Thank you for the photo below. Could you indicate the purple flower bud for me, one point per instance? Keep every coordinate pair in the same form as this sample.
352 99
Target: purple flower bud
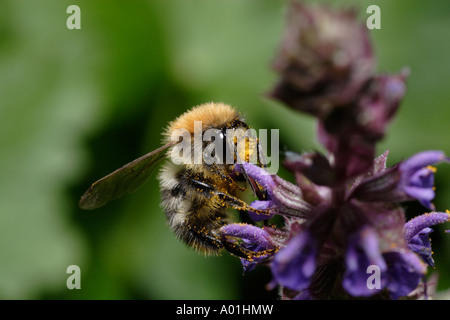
380 187
372 110
324 60
314 166
350 133
353 154
378 105
313 175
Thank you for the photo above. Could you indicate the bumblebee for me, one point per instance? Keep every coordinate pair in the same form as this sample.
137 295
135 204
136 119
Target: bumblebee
196 196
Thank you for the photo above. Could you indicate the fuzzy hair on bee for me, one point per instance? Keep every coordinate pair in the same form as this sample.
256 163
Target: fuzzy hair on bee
196 197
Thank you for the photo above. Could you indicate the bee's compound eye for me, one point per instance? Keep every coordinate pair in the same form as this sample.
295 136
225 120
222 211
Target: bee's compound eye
214 146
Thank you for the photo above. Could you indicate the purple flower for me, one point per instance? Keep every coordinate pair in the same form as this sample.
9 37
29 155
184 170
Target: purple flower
405 270
251 238
283 197
294 265
321 238
412 179
421 245
417 176
417 231
362 252
324 59
344 213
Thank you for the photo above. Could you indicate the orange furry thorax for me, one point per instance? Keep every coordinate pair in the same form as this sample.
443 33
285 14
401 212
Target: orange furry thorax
212 115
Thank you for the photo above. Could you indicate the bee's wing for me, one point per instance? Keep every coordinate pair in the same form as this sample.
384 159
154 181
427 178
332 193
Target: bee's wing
122 181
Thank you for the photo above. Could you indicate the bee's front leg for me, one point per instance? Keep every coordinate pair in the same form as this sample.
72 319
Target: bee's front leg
238 204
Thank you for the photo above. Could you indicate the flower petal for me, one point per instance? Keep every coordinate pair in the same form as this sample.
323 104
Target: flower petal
423 159
248 232
284 198
405 270
423 178
417 177
416 225
261 205
294 265
362 252
423 195
253 238
421 245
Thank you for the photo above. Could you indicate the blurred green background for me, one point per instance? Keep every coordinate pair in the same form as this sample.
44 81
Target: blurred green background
77 104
